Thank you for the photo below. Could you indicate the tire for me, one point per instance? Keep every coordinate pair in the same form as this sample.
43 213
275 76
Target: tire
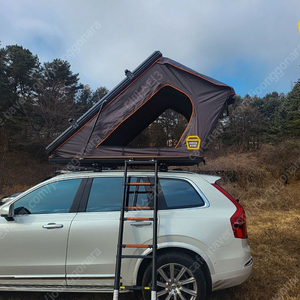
182 264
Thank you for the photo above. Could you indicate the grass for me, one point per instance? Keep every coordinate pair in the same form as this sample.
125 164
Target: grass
275 246
273 218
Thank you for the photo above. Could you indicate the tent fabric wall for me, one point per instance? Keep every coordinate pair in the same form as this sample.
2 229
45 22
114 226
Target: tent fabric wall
165 84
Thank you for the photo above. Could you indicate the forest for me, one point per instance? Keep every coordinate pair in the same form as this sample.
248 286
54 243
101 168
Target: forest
37 100
255 148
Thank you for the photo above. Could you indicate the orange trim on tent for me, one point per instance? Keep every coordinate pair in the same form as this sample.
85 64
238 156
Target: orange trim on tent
106 106
230 93
77 131
144 104
187 126
130 84
163 63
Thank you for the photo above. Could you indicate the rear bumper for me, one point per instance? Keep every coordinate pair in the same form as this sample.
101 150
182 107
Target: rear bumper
228 279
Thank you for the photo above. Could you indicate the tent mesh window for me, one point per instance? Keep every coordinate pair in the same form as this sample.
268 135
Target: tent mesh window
152 112
165 131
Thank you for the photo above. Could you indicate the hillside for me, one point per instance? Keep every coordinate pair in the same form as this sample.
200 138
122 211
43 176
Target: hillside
267 183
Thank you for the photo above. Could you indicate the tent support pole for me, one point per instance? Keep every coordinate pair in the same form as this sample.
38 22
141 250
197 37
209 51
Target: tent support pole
91 133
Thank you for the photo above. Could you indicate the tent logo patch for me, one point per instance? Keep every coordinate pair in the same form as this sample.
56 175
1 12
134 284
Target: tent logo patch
193 142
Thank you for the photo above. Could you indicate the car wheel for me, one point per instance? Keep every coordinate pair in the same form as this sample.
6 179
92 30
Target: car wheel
176 278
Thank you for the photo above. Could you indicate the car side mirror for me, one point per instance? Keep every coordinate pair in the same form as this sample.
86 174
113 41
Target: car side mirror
7 212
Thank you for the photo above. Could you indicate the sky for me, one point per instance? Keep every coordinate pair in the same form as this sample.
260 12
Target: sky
251 45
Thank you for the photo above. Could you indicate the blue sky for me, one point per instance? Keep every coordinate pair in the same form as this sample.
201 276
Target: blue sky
237 42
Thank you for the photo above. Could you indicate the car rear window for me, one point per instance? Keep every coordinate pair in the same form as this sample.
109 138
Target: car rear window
177 193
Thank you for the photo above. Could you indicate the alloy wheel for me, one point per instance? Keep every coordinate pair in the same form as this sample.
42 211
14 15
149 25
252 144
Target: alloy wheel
175 281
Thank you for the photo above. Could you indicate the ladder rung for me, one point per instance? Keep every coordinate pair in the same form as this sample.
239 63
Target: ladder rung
138 207
139 184
138 219
136 246
122 287
137 256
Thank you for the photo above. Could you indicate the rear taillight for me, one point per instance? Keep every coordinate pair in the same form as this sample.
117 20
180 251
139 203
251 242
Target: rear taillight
238 219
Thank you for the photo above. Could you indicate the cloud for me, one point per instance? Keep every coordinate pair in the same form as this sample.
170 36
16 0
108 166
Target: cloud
239 42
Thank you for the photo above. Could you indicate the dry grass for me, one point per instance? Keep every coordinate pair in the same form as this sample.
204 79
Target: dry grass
19 171
273 212
18 188
241 171
275 245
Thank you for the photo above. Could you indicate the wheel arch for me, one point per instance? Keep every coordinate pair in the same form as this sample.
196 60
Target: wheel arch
199 262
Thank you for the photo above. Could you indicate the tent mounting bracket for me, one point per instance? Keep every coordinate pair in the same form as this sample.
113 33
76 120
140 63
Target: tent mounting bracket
129 74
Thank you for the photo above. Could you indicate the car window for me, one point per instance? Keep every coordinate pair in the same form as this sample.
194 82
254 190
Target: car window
177 193
106 194
55 197
140 194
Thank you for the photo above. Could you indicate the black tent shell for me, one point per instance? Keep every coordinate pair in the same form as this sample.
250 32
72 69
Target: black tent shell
103 133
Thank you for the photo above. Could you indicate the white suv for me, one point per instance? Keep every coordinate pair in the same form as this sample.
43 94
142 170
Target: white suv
61 235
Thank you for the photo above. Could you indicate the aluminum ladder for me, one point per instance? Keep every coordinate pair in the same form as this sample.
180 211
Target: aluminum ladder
125 208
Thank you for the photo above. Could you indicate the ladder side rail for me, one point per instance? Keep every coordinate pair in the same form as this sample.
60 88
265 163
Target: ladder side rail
154 251
124 208
120 237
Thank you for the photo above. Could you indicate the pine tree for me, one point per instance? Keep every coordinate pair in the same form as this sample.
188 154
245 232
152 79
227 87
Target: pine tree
292 110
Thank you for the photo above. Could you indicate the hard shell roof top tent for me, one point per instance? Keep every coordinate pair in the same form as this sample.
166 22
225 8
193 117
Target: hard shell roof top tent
103 133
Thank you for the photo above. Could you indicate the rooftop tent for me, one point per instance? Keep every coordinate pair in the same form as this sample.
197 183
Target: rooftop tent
103 133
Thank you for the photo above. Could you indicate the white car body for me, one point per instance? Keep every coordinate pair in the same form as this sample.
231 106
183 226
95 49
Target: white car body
79 252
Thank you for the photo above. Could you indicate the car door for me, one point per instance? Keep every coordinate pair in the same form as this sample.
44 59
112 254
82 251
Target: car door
34 244
93 236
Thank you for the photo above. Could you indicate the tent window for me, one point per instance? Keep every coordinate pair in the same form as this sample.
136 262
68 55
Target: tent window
160 122
165 131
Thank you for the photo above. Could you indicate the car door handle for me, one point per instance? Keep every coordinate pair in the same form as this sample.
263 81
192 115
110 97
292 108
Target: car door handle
140 224
53 225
